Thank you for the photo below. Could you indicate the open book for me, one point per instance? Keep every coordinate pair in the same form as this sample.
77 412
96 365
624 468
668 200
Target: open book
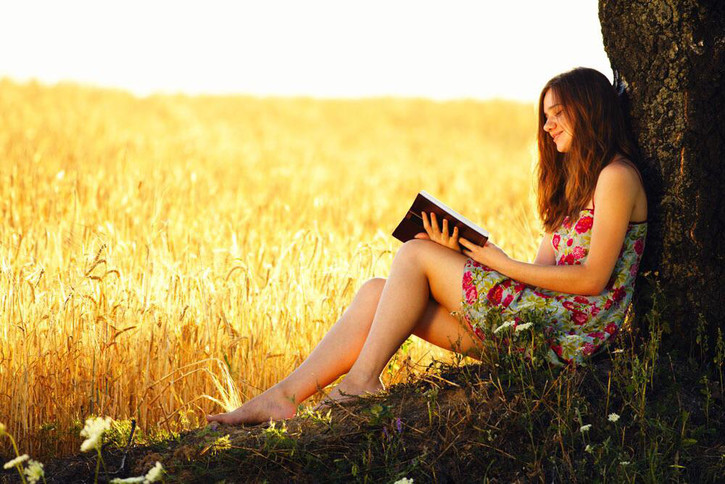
412 223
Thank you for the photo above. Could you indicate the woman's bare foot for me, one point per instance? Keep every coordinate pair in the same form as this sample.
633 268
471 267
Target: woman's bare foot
348 389
271 404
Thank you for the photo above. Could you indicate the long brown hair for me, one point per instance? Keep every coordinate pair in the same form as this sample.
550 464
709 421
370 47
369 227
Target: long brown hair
567 180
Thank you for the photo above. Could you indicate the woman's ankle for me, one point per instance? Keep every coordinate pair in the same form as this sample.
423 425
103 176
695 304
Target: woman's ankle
281 393
361 382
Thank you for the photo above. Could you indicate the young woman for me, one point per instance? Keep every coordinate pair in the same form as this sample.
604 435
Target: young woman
593 207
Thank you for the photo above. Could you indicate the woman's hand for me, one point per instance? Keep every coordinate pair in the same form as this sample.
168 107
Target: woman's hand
488 254
437 234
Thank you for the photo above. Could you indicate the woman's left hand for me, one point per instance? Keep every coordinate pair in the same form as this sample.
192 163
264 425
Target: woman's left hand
439 235
488 254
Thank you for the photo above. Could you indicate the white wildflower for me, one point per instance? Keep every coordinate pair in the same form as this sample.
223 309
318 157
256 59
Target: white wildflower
524 326
404 480
624 463
93 431
613 417
585 428
505 325
155 473
16 461
34 471
588 448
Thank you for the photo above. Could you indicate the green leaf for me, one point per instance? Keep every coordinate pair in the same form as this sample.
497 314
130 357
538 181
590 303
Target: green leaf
688 442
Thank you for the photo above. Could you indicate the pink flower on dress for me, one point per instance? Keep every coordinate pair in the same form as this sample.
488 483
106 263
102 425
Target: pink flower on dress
467 280
557 349
555 241
611 328
507 301
471 294
520 286
568 305
581 300
588 349
569 242
618 294
608 304
584 224
578 252
633 270
494 294
639 246
594 310
596 334
569 259
579 317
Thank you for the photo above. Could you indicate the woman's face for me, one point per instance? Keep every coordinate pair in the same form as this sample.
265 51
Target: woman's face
557 126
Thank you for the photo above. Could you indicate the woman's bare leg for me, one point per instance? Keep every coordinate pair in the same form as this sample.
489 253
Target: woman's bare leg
331 358
421 270
341 346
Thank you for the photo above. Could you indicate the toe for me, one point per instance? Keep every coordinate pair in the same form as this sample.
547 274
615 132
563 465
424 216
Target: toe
218 418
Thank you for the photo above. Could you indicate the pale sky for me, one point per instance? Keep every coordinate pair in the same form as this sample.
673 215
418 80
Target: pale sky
442 49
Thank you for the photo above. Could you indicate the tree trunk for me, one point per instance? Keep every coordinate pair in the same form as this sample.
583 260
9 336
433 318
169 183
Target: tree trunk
668 58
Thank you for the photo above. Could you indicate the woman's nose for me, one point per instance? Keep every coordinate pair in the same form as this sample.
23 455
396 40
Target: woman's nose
548 126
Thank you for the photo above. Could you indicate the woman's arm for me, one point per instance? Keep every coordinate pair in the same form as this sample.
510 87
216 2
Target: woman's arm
616 192
545 256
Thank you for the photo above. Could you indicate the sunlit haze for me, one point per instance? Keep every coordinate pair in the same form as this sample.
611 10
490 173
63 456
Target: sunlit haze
440 50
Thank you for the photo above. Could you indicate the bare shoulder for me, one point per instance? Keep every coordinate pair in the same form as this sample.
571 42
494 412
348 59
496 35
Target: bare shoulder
620 179
622 169
620 174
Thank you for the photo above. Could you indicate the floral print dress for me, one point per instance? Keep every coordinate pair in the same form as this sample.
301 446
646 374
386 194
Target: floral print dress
578 325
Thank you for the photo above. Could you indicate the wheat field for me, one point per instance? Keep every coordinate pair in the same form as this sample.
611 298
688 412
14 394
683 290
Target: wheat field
159 253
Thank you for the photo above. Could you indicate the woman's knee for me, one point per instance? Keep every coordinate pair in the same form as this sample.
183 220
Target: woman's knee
414 249
372 288
420 253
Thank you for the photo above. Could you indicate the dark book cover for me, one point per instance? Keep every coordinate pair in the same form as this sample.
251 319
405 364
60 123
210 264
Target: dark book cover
412 223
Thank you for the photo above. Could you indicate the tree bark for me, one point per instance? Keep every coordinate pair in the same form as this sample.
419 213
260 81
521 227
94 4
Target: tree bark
668 57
